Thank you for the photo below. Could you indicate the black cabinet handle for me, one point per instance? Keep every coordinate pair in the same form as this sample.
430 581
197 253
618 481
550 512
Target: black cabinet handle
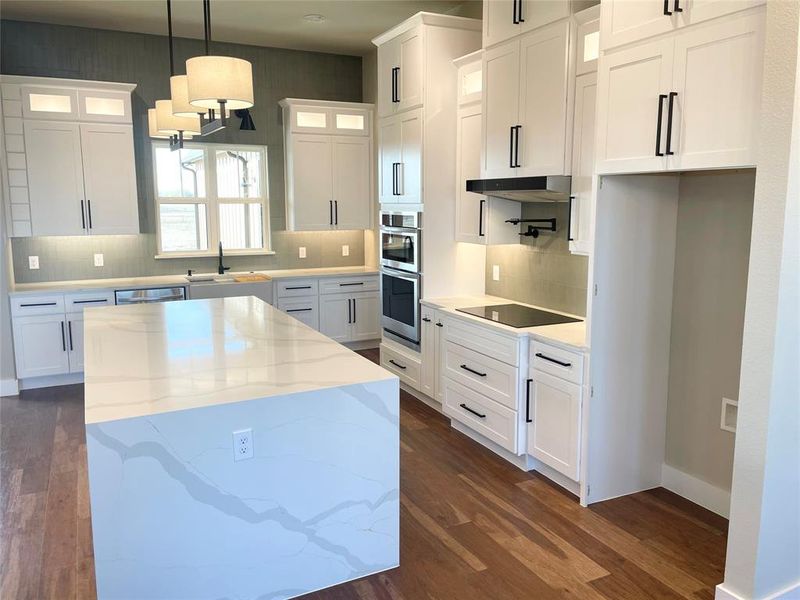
299 287
480 218
439 324
553 360
395 84
426 319
398 365
514 18
69 326
90 301
38 304
667 12
89 210
511 131
473 371
678 6
528 401
349 312
288 310
83 217
672 96
330 212
63 338
516 146
353 283
335 212
520 18
355 317
474 412
396 179
661 98
569 220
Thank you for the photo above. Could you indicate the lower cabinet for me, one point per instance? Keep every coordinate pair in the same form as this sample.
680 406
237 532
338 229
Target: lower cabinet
431 350
303 308
406 365
40 345
75 342
350 317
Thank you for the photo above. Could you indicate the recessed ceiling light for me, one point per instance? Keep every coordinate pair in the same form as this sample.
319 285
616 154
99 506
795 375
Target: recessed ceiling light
314 18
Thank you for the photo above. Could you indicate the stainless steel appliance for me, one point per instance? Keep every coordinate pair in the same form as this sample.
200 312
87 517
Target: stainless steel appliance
400 293
517 315
150 295
400 240
524 189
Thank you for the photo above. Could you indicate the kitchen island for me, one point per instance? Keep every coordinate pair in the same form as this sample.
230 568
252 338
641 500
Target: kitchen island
178 397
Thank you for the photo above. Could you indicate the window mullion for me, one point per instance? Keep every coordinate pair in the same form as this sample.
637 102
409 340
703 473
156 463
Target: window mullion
212 206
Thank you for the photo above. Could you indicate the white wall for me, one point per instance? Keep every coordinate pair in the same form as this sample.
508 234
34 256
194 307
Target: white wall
763 559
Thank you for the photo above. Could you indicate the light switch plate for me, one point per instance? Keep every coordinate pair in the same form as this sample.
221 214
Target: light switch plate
495 272
98 260
33 262
301 252
345 250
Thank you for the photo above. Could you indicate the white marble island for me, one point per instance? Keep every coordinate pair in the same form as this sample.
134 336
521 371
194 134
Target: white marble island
174 515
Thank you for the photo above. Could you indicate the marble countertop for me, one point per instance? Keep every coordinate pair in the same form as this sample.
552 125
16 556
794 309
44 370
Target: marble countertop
166 280
570 335
148 359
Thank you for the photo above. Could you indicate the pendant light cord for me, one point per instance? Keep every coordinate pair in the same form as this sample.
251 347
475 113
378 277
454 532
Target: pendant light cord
169 26
207 22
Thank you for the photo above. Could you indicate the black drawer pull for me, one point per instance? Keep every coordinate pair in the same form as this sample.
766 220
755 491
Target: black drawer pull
38 304
439 324
661 98
69 326
288 310
473 371
356 283
90 301
553 360
528 401
426 319
63 338
669 121
474 412
667 11
398 365
299 287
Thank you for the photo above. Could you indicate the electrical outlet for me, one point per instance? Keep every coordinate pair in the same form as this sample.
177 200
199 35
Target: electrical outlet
345 250
242 444
495 272
98 260
33 262
301 252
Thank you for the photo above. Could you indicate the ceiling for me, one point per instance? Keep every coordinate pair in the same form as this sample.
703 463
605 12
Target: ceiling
347 29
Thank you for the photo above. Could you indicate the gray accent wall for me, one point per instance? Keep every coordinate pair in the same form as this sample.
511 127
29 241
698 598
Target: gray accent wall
715 213
541 271
78 53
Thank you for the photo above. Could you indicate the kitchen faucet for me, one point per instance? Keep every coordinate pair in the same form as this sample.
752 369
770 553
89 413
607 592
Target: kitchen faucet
221 268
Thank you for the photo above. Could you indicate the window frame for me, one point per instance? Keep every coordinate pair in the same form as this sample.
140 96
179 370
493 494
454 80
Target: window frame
212 200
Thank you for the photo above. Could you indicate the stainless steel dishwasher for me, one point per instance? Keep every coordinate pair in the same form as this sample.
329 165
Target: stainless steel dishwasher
150 295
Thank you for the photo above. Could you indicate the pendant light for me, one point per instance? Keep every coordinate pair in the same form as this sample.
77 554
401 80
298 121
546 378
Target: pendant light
217 83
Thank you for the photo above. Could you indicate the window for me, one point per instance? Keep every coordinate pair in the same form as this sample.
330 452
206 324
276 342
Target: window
211 193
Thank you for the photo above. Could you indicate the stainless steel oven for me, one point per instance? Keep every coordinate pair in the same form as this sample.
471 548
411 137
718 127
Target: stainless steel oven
400 241
400 313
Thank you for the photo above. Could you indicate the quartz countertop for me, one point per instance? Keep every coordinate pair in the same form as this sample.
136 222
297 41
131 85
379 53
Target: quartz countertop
570 335
147 359
166 280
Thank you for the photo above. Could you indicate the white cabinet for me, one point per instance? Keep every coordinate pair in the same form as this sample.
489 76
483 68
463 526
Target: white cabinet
503 19
303 308
40 345
431 353
75 341
401 158
350 317
525 100
366 317
328 165
580 220
688 101
401 72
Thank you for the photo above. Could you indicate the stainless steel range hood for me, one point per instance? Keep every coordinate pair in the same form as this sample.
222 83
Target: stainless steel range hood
524 189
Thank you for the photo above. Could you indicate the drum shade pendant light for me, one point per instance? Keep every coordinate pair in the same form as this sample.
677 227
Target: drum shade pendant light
217 84
152 127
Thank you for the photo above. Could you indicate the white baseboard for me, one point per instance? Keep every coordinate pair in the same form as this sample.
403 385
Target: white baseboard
790 593
9 387
700 492
33 383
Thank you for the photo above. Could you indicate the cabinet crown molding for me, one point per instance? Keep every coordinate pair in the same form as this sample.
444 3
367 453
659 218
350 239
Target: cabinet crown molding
426 18
286 102
58 82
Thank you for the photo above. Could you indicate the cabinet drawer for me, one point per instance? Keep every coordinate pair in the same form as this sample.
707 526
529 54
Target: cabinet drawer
489 342
37 305
304 309
483 374
336 285
287 288
77 301
406 368
561 363
487 417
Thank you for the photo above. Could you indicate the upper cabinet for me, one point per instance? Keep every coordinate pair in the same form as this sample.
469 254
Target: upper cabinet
328 164
625 21
684 101
70 161
400 159
526 104
504 19
400 73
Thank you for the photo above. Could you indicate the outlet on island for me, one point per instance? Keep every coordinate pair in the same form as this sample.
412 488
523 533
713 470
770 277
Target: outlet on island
242 444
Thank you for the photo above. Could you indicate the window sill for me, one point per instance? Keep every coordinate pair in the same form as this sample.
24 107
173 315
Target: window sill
227 254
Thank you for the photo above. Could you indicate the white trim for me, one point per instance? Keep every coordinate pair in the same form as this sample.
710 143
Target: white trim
60 82
214 254
32 383
9 387
700 492
793 591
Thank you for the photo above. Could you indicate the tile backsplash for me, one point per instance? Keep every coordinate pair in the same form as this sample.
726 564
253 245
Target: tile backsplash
541 271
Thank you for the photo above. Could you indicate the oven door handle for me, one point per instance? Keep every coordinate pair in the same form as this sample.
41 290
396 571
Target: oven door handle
412 277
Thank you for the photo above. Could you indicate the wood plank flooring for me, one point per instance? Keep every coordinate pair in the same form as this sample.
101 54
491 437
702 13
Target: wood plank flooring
472 525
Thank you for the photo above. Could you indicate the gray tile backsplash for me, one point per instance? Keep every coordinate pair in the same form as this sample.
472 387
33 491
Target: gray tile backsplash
541 271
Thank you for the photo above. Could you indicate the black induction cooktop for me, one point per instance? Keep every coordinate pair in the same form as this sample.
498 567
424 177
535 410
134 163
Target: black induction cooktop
517 315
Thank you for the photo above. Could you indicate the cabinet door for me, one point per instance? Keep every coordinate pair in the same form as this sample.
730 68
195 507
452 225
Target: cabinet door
553 437
55 178
429 352
499 21
580 233
500 109
696 11
311 183
625 21
410 169
439 339
366 313
630 83
389 158
40 345
717 77
535 13
75 342
336 317
410 76
470 207
388 61
109 175
304 309
352 182
544 58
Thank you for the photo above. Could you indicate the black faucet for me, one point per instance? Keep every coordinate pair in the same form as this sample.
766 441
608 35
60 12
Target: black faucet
221 268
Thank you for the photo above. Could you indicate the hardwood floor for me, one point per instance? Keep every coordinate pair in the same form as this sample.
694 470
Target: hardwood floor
472 525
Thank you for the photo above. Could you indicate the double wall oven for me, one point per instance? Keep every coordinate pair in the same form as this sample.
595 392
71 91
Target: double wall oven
401 275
